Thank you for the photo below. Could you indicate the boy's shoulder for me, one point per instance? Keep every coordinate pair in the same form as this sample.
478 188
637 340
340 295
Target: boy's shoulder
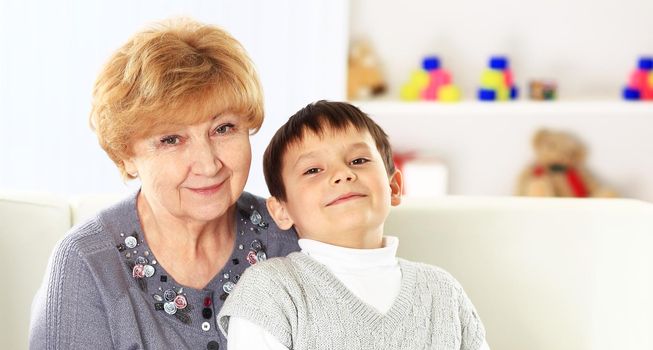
273 270
430 274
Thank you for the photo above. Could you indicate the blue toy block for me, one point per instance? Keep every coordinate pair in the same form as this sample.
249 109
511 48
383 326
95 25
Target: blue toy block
487 95
498 62
514 92
431 63
631 94
645 63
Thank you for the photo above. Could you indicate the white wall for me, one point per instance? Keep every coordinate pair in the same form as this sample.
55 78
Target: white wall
51 51
588 46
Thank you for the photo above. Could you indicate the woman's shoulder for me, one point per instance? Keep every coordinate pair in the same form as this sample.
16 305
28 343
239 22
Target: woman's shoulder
99 233
252 209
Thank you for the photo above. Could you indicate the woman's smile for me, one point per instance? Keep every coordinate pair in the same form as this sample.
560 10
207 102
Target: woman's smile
207 190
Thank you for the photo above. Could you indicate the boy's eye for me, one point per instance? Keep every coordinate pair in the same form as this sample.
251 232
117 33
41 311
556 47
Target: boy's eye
312 171
224 128
171 140
359 161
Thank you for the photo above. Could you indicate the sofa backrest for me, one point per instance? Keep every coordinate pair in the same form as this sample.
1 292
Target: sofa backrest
543 273
30 225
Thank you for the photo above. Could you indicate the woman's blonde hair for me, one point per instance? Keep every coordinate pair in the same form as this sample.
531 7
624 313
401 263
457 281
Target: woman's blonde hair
177 72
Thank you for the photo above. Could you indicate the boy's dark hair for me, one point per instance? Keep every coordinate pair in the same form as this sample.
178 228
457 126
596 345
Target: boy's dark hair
317 117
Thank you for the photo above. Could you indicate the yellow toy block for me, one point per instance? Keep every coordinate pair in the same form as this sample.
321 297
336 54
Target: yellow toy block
449 93
420 78
493 79
503 93
410 92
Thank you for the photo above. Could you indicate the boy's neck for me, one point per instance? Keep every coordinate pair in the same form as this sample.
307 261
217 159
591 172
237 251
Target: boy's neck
355 241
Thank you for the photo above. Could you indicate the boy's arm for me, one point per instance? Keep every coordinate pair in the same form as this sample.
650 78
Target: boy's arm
245 335
260 299
473 337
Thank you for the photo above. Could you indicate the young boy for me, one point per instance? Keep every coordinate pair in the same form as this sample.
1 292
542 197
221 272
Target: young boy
330 172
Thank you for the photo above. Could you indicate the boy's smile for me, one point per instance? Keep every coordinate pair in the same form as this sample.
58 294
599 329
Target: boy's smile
346 197
337 188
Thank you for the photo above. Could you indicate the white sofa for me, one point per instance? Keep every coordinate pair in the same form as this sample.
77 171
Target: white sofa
543 273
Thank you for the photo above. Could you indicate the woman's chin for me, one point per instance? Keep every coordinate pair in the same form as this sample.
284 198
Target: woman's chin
209 211
206 208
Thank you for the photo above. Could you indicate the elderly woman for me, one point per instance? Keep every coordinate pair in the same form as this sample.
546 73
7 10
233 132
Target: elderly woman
174 107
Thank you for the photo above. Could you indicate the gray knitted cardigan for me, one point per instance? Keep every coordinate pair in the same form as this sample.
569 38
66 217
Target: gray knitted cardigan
94 296
305 306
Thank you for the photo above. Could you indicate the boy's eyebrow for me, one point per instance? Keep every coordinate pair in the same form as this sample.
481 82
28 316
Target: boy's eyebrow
360 145
312 154
304 156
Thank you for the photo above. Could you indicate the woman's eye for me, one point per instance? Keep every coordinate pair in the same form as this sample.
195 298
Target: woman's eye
312 171
171 140
224 128
359 161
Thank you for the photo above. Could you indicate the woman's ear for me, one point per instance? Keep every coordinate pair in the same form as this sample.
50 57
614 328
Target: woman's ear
277 210
396 188
130 167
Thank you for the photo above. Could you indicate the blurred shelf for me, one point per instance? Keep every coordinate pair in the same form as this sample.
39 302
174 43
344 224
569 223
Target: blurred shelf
486 144
387 108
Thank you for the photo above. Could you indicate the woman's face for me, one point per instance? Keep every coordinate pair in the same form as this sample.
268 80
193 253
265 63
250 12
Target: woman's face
194 172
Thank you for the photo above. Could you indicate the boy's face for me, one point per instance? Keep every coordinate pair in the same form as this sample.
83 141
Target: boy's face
337 189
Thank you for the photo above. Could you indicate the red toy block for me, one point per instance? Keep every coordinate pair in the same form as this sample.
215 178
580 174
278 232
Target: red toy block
440 77
507 74
638 79
430 93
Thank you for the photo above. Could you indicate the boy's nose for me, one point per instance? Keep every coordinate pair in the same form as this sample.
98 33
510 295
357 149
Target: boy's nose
345 175
348 178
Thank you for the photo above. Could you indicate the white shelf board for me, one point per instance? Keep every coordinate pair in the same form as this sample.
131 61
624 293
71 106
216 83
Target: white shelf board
387 108
487 144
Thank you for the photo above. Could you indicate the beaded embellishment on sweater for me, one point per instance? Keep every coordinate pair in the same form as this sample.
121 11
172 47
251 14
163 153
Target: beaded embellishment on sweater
172 299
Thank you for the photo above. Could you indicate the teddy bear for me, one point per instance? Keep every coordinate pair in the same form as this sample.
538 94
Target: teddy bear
364 78
558 170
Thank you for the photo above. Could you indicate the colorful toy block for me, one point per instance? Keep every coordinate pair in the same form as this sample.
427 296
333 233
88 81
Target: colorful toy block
497 82
430 83
640 82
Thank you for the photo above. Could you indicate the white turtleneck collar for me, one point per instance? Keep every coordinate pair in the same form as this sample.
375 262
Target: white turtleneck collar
337 258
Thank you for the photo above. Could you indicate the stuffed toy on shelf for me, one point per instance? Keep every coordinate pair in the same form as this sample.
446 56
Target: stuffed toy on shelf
558 170
364 77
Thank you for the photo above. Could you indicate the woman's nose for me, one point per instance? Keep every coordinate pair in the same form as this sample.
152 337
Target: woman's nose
205 160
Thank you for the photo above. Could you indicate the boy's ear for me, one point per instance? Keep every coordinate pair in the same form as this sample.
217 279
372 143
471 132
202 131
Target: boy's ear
396 188
277 210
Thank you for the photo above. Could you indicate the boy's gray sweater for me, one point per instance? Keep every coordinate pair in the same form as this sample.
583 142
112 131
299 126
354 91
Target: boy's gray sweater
306 307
